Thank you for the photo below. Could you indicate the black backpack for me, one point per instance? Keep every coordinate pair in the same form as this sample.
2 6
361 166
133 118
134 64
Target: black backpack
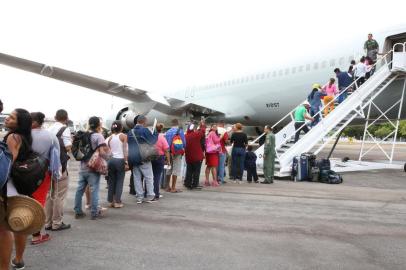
82 146
330 177
29 174
63 154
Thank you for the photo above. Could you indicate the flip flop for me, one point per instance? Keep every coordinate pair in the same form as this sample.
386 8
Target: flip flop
176 191
42 239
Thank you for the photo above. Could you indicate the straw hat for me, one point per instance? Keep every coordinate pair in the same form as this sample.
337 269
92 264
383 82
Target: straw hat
24 215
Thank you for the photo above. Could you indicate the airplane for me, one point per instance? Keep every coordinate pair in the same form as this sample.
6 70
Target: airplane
252 99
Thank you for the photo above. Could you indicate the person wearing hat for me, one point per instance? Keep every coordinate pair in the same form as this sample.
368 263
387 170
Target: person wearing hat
301 113
269 155
314 99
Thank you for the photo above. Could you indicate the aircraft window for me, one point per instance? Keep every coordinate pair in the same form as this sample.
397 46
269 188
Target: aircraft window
307 67
341 61
281 72
300 69
274 74
268 75
263 76
293 70
332 62
257 77
286 71
323 64
316 65
247 78
237 81
252 77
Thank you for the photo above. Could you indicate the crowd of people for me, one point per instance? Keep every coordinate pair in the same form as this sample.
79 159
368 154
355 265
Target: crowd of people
156 160
322 99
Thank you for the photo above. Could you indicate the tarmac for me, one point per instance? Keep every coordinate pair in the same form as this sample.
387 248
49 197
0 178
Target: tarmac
360 224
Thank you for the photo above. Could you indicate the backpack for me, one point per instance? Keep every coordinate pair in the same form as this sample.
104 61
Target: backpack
82 146
6 159
29 174
330 177
64 157
177 147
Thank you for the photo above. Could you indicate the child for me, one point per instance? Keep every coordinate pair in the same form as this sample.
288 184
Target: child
250 165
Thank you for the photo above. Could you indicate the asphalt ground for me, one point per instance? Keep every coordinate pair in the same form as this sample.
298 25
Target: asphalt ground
360 224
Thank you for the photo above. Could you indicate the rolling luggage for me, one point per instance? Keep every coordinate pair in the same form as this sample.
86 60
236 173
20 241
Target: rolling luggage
303 169
323 164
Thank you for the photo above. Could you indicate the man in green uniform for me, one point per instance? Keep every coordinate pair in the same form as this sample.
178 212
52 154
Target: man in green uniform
269 156
371 47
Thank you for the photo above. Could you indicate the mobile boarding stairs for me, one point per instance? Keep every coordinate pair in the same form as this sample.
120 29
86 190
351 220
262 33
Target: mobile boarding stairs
388 68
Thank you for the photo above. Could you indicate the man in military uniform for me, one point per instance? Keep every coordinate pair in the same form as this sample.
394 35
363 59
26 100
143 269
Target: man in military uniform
371 47
269 156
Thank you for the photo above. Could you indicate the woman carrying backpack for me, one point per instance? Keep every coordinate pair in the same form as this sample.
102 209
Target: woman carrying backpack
116 166
87 176
19 141
213 148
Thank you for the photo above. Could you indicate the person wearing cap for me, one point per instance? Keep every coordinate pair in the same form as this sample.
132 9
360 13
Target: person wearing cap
314 99
269 155
371 47
141 168
301 113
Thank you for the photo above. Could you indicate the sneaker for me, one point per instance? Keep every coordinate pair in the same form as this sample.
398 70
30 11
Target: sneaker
79 215
48 228
139 201
152 201
118 205
17 265
61 227
160 195
235 181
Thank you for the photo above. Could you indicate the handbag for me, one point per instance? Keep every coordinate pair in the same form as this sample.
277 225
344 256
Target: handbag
147 151
97 163
211 147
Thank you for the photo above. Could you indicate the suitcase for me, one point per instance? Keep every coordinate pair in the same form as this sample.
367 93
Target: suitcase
303 168
315 174
323 164
311 163
294 167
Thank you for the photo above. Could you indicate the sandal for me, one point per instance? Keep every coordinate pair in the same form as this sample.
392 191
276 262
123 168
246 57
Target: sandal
43 238
176 191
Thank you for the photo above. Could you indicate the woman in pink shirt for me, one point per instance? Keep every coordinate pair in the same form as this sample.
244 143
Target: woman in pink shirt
158 165
331 90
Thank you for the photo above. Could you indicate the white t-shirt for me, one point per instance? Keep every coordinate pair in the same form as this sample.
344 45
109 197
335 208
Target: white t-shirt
67 140
360 70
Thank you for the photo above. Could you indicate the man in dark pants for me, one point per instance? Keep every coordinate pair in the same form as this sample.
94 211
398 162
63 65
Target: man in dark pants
250 165
194 154
301 114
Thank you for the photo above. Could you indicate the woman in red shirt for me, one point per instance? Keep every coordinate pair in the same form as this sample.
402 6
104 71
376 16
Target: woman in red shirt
213 148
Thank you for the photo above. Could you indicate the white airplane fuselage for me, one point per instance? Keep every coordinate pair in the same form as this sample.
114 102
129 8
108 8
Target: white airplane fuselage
267 96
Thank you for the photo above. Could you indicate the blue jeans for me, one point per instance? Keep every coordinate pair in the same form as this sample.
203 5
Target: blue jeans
221 168
116 179
93 180
144 170
238 159
157 169
343 96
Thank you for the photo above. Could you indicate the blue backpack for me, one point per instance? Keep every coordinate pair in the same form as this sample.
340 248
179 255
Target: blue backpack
5 164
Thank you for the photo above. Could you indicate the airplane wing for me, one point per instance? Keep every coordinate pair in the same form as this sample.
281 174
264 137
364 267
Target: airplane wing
104 86
147 99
